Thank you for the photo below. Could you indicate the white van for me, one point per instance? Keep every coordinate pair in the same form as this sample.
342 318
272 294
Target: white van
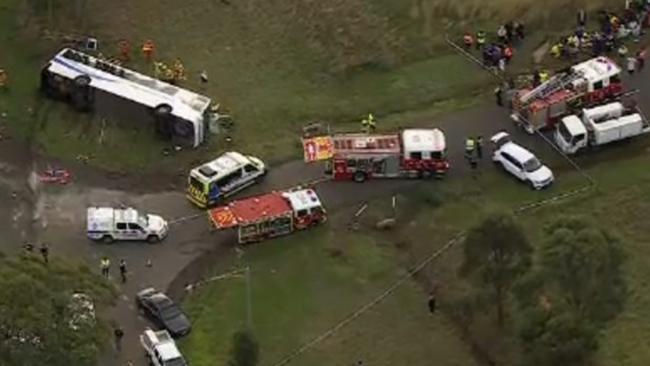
109 224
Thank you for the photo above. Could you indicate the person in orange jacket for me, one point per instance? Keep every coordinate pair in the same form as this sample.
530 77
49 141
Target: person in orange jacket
148 49
468 40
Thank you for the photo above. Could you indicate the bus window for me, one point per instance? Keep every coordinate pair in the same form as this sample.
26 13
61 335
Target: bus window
250 168
230 178
416 155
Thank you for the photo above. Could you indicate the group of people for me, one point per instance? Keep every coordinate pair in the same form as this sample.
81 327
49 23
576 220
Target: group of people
497 53
611 35
105 266
44 249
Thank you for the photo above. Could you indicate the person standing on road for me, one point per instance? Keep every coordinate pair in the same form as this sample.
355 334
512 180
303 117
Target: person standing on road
469 147
29 247
498 94
479 147
431 303
123 270
45 252
631 65
119 333
105 265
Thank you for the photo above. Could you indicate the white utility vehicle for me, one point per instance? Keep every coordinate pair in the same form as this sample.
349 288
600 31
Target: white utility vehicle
161 349
599 126
520 162
109 224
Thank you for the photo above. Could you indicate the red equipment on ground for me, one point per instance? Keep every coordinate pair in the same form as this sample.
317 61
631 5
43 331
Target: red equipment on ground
269 215
591 82
413 153
59 176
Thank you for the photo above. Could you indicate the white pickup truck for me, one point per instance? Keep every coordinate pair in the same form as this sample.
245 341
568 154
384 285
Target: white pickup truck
599 126
161 349
108 224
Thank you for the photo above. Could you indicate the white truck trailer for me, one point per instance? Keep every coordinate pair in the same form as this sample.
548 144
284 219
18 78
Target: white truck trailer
599 126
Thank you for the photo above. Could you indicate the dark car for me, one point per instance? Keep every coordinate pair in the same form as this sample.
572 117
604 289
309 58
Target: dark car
162 311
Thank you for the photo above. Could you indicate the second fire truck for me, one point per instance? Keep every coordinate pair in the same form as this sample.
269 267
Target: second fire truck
588 83
411 153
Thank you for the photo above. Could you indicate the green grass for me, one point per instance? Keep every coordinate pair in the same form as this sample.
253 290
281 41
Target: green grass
300 290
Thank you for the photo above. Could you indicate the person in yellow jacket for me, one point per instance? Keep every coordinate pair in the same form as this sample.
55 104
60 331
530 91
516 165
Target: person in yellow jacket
556 50
369 124
179 70
544 76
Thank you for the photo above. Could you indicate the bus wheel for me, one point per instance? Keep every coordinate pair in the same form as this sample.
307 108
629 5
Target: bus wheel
359 177
162 110
425 174
107 239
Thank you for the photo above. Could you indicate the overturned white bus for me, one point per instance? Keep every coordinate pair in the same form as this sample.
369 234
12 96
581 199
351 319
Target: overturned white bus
127 96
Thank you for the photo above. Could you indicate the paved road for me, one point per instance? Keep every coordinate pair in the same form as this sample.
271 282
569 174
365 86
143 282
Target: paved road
192 247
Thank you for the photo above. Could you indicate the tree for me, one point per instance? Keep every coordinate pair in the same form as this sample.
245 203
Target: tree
245 351
581 266
496 254
37 323
576 287
556 337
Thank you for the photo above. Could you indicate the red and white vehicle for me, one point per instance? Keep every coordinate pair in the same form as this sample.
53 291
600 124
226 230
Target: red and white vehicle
269 215
584 84
412 153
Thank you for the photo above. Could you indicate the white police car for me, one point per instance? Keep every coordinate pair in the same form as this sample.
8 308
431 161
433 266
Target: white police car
108 224
520 162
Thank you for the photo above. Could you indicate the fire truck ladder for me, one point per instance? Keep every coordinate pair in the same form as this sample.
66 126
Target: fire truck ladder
557 82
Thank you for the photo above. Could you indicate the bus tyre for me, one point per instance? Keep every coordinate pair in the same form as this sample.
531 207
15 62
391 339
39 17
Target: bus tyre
162 111
82 81
359 177
425 174
153 239
107 239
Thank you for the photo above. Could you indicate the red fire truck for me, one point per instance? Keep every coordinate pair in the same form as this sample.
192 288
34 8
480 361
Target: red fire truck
587 83
412 153
269 215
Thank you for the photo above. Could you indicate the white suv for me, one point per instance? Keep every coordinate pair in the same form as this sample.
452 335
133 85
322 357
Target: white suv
520 162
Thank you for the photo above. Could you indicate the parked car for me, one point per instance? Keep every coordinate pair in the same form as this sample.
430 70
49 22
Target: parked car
160 349
163 312
108 224
520 162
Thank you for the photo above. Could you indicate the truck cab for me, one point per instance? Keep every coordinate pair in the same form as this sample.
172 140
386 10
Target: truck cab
109 224
160 349
222 177
307 208
571 135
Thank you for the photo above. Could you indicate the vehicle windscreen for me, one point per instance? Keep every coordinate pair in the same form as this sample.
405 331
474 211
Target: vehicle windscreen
532 165
143 220
196 184
564 132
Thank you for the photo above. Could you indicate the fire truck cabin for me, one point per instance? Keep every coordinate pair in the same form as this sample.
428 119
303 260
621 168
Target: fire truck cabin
270 215
413 153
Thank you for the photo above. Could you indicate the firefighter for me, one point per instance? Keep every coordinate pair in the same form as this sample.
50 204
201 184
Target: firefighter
470 145
125 50
480 39
508 53
498 94
543 76
556 50
468 40
4 79
179 71
369 124
148 50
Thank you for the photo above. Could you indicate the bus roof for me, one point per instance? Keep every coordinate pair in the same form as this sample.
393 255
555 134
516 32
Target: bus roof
130 85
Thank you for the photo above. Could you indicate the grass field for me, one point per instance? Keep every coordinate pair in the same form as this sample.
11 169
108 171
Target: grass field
302 289
274 65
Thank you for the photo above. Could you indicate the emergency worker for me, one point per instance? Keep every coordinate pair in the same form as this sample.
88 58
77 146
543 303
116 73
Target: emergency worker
480 39
4 79
369 124
148 50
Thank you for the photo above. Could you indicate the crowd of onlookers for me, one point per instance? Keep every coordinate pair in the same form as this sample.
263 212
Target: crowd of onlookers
496 53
